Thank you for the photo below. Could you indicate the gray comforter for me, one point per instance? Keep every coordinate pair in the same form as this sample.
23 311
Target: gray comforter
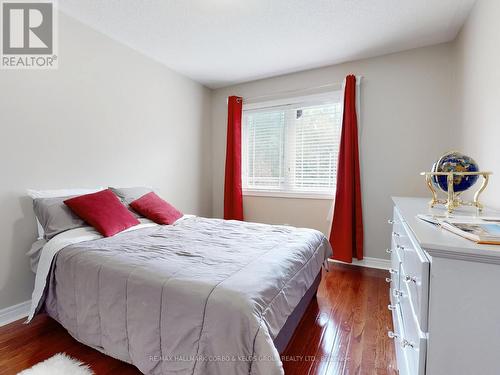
203 296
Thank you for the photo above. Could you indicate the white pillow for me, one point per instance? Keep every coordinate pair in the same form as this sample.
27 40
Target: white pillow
55 194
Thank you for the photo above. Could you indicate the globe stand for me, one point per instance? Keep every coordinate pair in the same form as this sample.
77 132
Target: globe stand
454 200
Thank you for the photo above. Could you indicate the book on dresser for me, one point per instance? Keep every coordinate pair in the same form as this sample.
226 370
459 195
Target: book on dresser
481 233
443 292
478 229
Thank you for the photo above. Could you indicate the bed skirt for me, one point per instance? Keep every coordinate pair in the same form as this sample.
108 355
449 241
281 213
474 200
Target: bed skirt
281 341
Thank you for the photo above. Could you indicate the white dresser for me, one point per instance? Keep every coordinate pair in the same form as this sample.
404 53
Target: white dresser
445 296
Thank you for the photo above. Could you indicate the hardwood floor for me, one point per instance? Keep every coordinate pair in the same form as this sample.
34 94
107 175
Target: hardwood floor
344 331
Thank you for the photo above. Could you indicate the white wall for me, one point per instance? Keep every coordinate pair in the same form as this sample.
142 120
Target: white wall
107 116
478 89
108 111
406 122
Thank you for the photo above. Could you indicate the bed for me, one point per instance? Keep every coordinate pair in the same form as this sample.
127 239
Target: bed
201 296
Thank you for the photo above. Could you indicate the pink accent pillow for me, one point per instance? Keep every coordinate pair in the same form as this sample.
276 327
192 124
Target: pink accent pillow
156 209
104 211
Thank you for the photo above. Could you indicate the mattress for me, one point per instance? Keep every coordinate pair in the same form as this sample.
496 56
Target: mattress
202 296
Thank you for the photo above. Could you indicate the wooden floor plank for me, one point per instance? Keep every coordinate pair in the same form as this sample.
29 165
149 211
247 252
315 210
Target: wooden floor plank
335 293
343 321
344 331
328 299
358 331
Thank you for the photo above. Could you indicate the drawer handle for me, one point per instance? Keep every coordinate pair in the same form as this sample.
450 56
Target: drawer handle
397 293
392 335
391 307
388 251
396 234
390 221
410 279
392 271
388 280
407 344
399 247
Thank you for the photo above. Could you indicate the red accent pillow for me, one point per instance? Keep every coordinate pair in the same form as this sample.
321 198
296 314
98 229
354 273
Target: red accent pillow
104 211
156 209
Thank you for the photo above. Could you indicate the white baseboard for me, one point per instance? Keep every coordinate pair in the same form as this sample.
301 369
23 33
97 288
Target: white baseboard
13 313
381 264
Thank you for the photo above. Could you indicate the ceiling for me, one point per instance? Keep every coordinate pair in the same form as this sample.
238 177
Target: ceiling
223 42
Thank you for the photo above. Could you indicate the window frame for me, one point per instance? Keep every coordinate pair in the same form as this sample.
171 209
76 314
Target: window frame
313 99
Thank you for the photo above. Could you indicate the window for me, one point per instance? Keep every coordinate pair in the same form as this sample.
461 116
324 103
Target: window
291 149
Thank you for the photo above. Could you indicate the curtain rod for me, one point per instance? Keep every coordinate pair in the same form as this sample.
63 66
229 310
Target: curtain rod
336 85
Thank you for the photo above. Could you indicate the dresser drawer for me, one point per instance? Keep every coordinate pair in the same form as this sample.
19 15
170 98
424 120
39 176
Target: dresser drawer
396 335
414 273
400 239
403 240
395 270
413 341
410 343
396 251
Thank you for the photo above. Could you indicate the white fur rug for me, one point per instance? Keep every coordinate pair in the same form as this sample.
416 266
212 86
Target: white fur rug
60 364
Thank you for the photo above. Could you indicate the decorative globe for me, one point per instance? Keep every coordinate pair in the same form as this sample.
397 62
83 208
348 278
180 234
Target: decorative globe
455 162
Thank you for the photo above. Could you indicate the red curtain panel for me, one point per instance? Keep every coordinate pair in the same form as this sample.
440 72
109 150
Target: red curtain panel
233 198
346 236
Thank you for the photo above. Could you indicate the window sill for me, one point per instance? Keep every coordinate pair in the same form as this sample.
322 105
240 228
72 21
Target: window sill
287 194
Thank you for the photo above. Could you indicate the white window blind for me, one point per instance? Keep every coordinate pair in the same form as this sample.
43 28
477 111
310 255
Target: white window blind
292 148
